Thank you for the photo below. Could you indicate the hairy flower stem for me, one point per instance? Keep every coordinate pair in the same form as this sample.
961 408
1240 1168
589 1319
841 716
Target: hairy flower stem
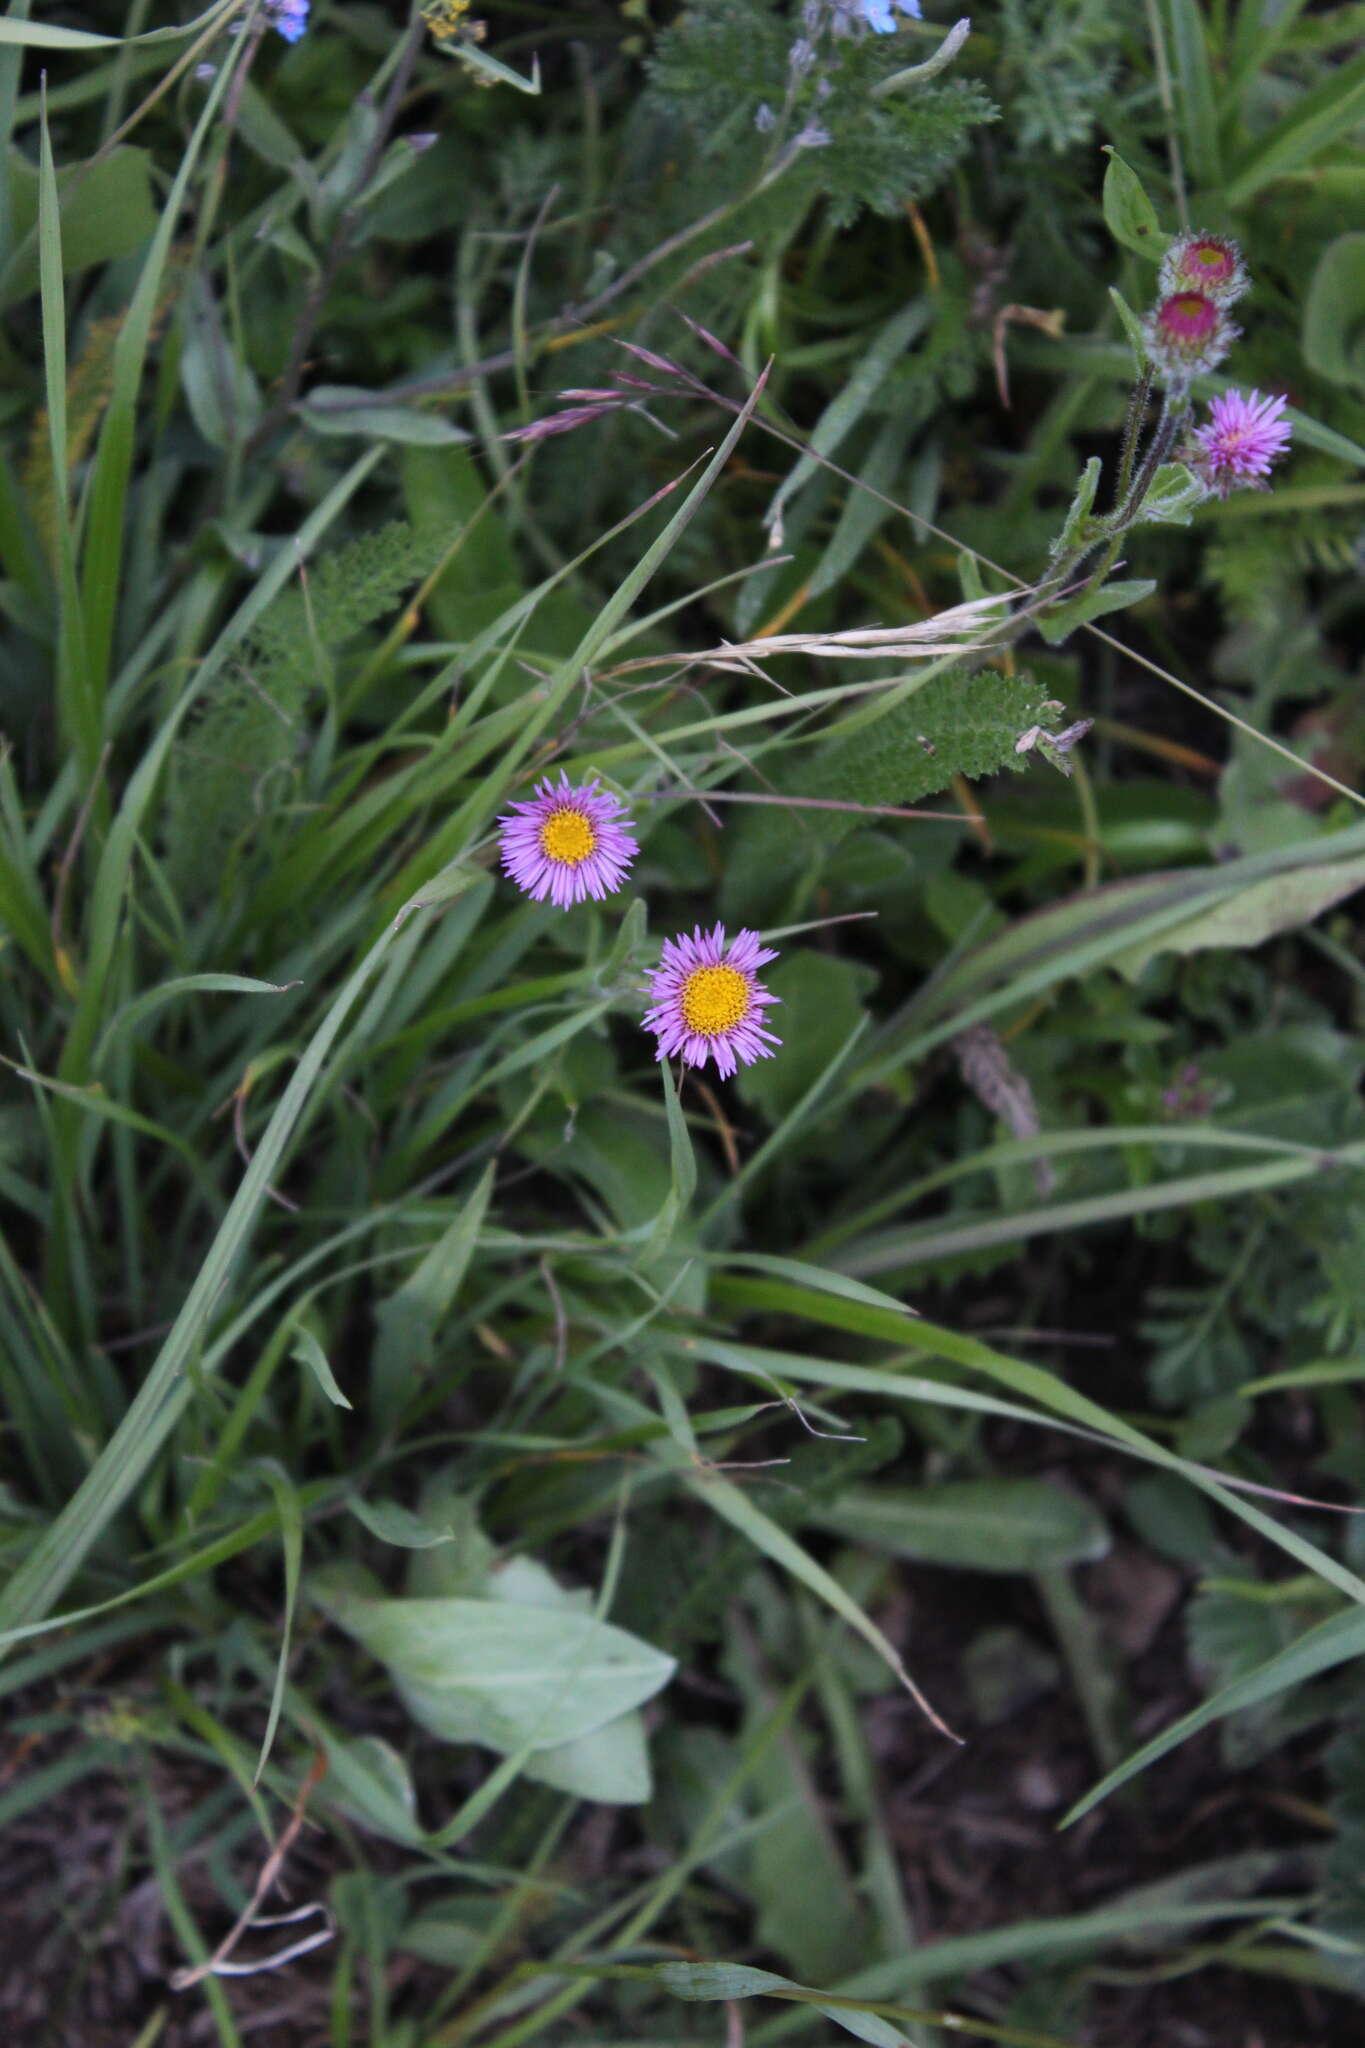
1159 447
1132 428
1133 488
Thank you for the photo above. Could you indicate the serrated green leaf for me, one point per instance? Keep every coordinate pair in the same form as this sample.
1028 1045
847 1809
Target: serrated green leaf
953 724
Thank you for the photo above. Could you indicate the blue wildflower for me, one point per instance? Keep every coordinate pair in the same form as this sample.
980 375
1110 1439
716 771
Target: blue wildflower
877 13
289 17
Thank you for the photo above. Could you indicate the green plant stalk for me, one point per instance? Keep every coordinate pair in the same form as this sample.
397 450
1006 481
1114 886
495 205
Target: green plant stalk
1132 428
1111 529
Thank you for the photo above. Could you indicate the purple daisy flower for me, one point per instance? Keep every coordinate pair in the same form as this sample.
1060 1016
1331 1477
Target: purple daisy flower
567 843
709 1002
1244 435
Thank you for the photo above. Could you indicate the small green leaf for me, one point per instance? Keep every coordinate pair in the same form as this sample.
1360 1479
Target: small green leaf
742 1980
409 1319
490 68
392 1523
1061 620
1172 496
1129 214
223 395
261 128
1132 327
986 1525
369 1780
309 1352
1334 312
291 1538
349 409
1079 511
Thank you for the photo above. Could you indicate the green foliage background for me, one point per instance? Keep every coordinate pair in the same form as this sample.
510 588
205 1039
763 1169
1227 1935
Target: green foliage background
589 1497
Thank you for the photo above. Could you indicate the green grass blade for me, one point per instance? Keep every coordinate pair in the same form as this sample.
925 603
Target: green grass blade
48 1569
1332 1642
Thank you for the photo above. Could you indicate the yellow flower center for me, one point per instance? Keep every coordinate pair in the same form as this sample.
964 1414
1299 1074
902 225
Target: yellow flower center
714 999
568 836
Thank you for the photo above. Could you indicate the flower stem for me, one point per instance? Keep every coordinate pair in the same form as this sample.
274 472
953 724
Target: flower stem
1132 427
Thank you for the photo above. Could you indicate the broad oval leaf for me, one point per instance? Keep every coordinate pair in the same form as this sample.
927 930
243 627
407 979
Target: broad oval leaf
505 1675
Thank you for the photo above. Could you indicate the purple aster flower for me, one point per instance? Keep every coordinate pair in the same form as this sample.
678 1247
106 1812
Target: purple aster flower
709 1002
1244 435
289 17
567 843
